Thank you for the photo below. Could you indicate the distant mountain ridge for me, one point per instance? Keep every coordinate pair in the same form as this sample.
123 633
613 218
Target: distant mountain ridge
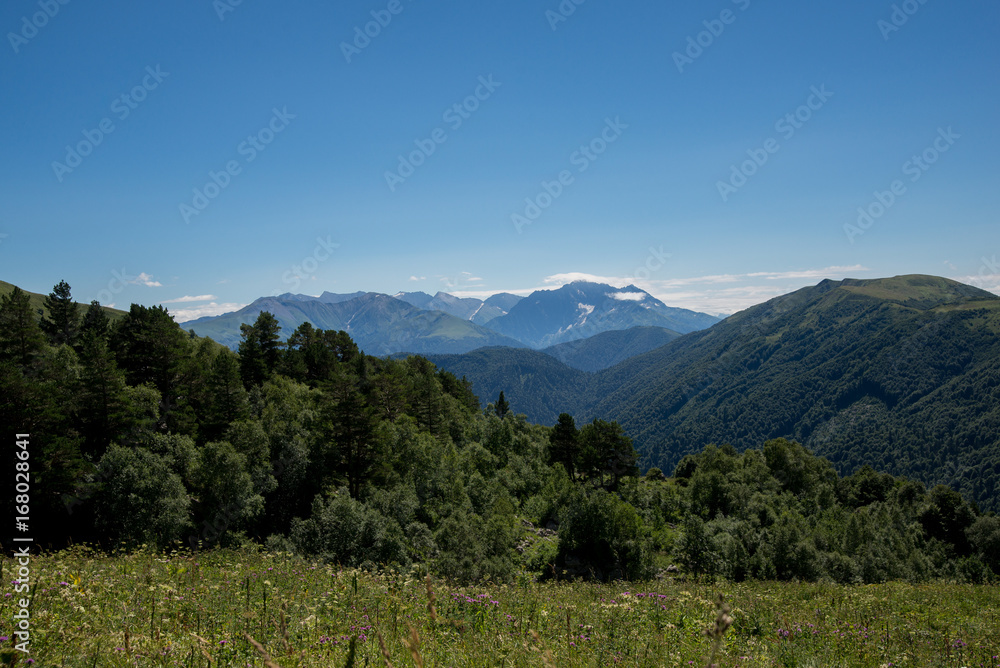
417 322
466 308
582 309
379 324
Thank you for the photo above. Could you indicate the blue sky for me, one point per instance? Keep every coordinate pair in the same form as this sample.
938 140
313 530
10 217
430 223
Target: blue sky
715 154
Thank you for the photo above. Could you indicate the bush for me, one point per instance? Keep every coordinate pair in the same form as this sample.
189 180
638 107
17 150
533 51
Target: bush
603 538
142 500
345 531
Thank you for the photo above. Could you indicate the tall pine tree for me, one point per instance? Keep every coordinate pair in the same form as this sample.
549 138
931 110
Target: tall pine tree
564 443
260 349
502 407
20 337
95 322
63 321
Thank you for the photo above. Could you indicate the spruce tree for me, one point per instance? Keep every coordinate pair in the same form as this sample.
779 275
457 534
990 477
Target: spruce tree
20 336
260 349
63 322
564 443
95 322
502 407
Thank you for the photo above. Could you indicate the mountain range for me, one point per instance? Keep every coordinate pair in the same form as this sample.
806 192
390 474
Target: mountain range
900 373
378 323
416 322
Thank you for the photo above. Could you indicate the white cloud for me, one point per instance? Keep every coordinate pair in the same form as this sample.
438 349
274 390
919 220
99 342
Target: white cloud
988 282
627 296
187 314
185 299
464 279
811 273
559 280
418 278
147 280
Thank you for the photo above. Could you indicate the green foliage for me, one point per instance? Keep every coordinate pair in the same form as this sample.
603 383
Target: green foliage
502 407
346 531
62 323
606 453
149 435
260 349
564 443
602 536
95 322
20 336
142 501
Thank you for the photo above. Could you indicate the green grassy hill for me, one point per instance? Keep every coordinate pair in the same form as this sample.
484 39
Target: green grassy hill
38 302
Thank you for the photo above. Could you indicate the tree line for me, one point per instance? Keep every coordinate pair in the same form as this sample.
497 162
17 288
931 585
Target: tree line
145 434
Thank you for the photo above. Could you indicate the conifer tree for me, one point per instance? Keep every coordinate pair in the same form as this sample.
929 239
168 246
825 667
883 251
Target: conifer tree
63 322
20 336
95 321
260 349
502 407
564 443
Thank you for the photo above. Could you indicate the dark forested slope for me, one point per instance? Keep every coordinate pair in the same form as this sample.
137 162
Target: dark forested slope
902 374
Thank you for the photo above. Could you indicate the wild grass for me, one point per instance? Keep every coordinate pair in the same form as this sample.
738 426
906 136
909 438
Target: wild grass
249 608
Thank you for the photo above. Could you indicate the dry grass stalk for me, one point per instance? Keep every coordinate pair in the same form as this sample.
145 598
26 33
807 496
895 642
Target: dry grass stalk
715 631
385 652
431 598
208 656
547 659
284 629
413 644
263 652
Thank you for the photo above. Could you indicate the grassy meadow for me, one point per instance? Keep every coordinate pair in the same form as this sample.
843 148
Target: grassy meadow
250 608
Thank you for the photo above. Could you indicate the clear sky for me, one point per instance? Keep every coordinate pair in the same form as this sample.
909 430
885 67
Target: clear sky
712 153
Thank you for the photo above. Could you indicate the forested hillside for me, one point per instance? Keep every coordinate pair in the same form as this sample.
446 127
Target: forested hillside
610 348
535 383
902 374
143 434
